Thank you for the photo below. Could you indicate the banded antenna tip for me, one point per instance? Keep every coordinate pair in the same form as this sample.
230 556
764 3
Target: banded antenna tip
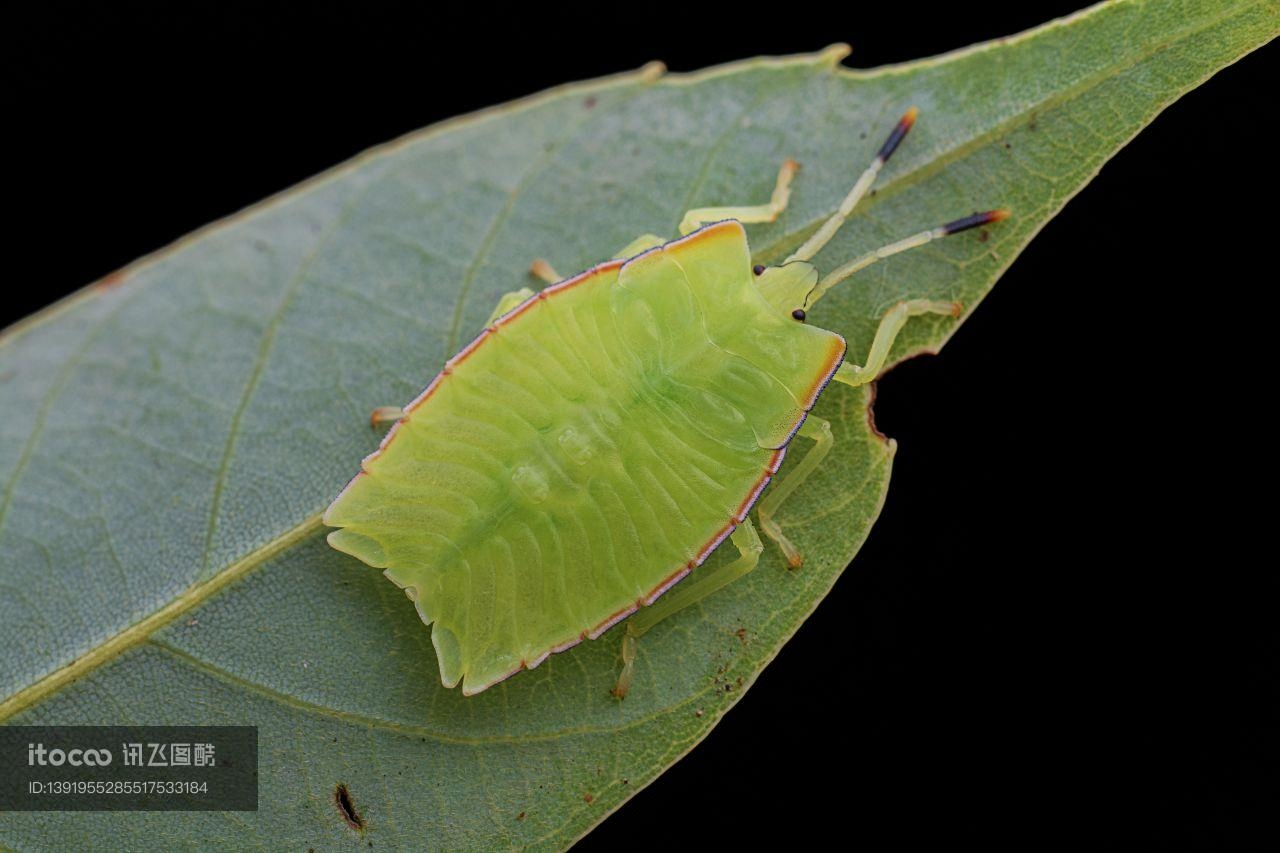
974 220
899 132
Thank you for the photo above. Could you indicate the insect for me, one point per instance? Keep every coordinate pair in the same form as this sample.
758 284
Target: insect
601 437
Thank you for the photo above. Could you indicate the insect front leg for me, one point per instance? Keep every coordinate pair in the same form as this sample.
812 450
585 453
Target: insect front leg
693 589
696 218
890 324
819 431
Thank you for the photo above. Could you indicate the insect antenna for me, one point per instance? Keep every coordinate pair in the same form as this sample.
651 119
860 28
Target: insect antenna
861 262
829 228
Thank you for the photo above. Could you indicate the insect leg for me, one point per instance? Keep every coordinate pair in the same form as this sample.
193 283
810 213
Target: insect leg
543 270
829 228
696 587
391 414
819 431
695 219
509 301
385 415
890 324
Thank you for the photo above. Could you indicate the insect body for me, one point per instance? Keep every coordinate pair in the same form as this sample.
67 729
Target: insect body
600 438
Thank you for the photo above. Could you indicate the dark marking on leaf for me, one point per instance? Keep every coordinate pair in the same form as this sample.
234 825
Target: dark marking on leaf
347 808
871 412
110 281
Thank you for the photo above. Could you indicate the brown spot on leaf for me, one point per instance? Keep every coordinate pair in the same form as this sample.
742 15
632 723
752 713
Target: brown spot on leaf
590 101
871 413
347 807
107 282
588 798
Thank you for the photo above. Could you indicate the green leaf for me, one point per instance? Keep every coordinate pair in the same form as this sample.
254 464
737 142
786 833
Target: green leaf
169 437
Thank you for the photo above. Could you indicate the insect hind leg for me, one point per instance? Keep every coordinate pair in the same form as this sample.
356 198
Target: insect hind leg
695 588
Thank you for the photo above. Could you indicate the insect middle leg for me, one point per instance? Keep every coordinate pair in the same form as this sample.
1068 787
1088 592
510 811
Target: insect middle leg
820 431
695 588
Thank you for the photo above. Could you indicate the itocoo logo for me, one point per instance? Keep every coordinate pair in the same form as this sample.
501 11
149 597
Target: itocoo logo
37 754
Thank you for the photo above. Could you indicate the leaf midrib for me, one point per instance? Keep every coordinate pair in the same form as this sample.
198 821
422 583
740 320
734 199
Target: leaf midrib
141 630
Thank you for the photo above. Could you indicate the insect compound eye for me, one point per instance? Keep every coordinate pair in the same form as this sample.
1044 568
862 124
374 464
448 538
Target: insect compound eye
798 314
758 269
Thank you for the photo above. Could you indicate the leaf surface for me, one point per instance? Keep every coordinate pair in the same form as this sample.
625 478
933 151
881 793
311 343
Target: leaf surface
169 437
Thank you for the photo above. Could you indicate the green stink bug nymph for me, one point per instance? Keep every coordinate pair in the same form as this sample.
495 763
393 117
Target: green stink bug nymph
600 438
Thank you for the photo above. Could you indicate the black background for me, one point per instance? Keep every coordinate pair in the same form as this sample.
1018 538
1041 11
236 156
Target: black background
1000 648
